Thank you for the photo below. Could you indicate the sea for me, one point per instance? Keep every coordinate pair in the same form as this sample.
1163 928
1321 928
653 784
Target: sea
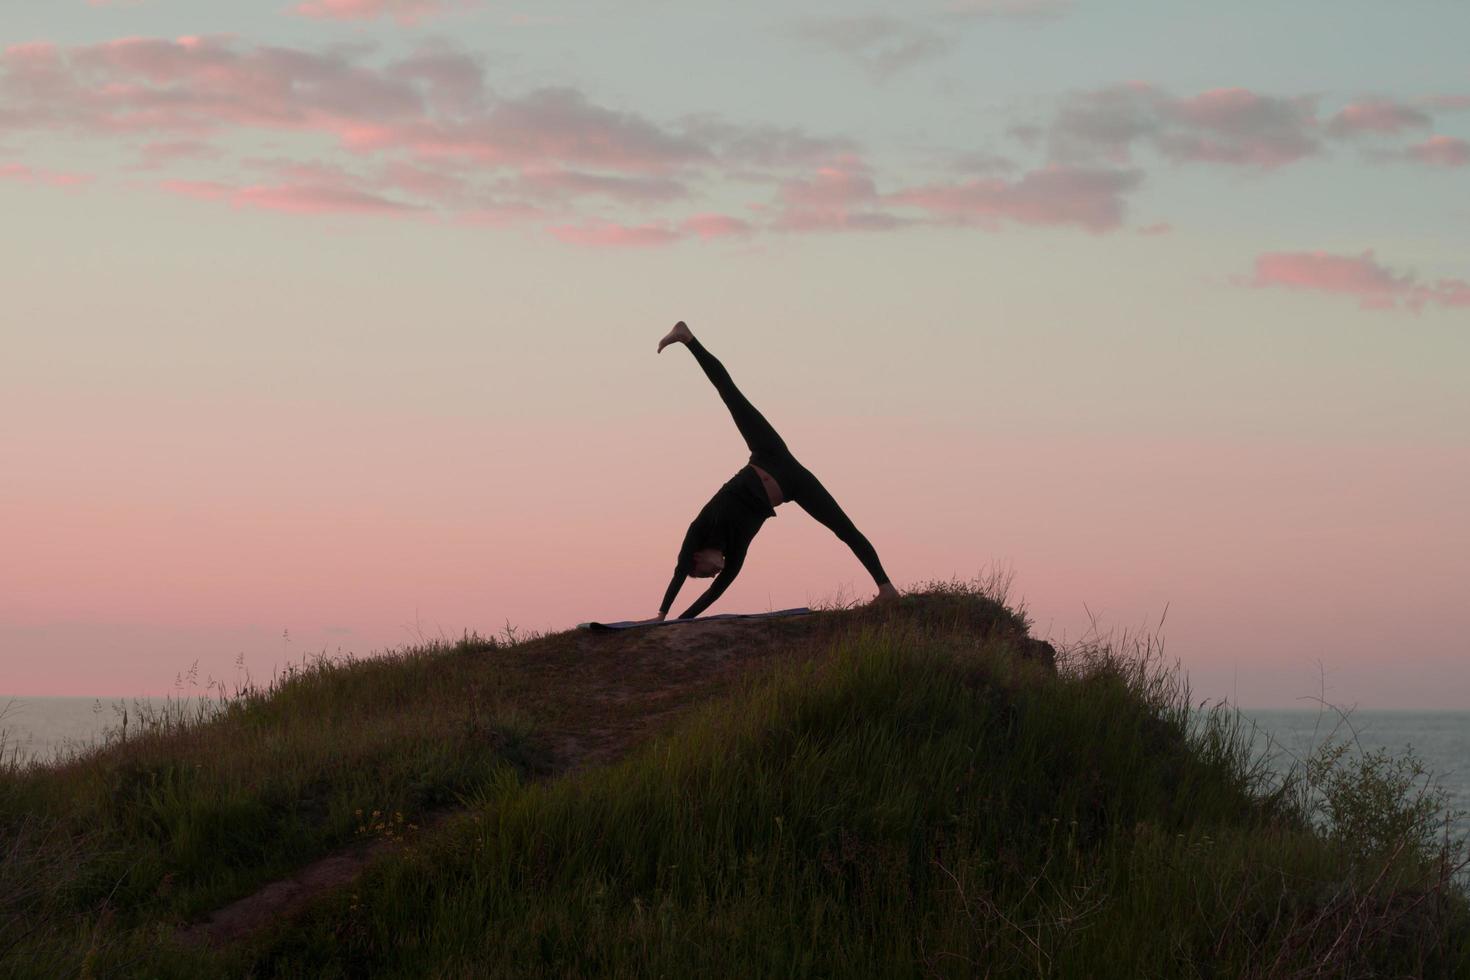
1438 740
39 730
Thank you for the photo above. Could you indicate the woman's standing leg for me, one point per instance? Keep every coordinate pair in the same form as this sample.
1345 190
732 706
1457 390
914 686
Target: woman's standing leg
813 498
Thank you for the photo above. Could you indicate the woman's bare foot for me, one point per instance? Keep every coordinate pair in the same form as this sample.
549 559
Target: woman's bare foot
680 333
886 593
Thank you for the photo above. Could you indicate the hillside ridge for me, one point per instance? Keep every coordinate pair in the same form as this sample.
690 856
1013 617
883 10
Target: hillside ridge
617 689
914 788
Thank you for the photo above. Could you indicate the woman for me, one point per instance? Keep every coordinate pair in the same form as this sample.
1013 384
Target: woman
717 540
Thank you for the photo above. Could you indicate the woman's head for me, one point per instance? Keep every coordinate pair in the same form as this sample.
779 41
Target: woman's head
706 562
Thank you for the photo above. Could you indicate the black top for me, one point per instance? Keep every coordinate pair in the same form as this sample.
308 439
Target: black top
728 523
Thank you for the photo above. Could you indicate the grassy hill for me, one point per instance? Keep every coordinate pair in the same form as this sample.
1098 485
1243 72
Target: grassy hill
915 789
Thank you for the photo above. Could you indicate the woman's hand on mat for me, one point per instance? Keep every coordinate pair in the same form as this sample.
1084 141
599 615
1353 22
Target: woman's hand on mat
659 618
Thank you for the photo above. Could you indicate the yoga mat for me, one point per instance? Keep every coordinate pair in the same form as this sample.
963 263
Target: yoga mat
630 624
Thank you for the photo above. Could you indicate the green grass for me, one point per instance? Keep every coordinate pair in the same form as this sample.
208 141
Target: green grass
192 806
906 797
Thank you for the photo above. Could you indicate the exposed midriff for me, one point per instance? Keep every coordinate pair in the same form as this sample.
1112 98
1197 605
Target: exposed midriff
773 489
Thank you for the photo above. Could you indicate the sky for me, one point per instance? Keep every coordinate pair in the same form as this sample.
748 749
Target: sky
329 325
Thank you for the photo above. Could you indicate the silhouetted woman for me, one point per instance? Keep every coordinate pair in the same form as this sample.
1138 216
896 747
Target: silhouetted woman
717 540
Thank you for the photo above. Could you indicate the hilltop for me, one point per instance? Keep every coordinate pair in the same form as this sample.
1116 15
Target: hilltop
918 788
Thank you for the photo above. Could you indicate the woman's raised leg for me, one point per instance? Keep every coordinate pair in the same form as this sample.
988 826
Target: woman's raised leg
758 434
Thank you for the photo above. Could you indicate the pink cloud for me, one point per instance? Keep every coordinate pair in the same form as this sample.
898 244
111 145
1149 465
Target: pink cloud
1101 125
1359 276
431 104
289 198
66 180
427 120
843 196
714 226
1226 126
189 87
1378 116
452 81
570 183
1441 151
308 199
838 185
19 171
406 12
610 234
839 196
1238 126
766 146
556 124
425 131
1056 195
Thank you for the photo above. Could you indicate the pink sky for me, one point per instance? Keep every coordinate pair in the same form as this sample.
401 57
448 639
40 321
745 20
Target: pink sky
332 324
213 538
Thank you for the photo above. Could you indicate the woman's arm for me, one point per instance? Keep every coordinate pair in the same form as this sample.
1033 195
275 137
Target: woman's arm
675 584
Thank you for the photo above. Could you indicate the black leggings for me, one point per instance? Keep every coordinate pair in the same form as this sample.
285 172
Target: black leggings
769 452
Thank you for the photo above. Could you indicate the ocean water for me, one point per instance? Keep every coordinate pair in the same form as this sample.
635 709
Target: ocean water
1440 740
37 729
